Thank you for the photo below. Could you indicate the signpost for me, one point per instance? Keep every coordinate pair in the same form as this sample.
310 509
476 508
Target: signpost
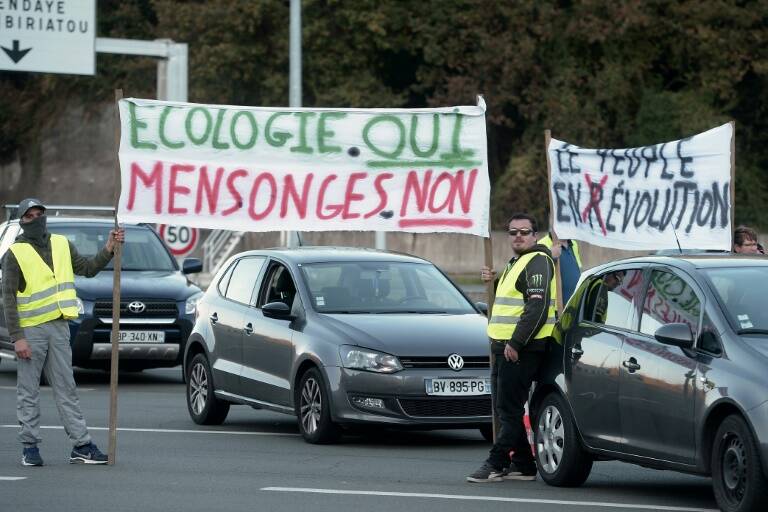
181 240
48 36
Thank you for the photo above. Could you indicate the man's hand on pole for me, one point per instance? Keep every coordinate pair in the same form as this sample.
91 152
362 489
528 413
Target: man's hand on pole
487 274
116 235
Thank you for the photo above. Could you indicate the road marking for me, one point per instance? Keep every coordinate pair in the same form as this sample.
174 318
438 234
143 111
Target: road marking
173 431
12 478
43 388
488 498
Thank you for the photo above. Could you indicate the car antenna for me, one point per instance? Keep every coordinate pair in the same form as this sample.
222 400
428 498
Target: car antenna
677 240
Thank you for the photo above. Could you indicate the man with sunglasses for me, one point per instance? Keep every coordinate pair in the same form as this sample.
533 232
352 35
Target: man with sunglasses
521 325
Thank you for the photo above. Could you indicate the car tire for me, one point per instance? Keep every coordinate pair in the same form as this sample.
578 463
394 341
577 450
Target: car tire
737 474
204 408
313 410
560 456
487 432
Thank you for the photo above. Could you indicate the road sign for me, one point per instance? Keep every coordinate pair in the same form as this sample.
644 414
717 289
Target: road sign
48 36
181 240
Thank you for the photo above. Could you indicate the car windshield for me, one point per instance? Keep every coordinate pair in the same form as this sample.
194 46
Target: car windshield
742 291
351 287
143 250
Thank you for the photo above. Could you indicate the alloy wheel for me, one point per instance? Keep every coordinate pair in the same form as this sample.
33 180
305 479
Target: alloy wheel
311 405
551 439
198 388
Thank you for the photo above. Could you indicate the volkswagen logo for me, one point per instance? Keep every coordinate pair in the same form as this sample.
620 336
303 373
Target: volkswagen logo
136 307
456 362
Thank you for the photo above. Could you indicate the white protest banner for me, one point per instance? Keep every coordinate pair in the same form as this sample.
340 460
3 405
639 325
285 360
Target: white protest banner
639 198
272 169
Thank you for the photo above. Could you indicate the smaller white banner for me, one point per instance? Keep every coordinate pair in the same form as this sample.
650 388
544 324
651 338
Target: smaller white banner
641 198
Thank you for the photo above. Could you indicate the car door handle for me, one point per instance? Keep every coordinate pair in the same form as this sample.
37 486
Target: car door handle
631 365
248 329
576 352
214 318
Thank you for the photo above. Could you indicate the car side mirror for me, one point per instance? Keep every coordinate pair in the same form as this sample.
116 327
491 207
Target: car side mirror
191 266
677 334
276 310
483 307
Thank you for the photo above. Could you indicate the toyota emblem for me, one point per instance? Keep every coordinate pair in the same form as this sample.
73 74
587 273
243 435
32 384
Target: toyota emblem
456 362
136 307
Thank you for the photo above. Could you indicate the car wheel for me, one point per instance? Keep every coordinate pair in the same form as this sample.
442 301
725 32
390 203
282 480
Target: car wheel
560 457
203 406
313 409
737 476
487 432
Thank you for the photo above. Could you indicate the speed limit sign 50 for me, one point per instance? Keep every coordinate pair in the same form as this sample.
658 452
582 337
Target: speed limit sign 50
181 240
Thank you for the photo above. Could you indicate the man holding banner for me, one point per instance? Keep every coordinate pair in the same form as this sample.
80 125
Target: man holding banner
566 253
521 325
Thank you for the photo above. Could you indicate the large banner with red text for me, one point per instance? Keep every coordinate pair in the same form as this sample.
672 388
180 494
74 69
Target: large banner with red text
304 169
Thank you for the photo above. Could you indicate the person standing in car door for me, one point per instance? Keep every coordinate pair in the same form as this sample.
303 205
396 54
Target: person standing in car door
39 298
521 326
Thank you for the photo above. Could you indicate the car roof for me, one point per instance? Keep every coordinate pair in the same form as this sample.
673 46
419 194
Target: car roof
693 261
320 254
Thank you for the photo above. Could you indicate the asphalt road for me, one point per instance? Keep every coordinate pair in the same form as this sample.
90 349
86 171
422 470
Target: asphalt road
256 461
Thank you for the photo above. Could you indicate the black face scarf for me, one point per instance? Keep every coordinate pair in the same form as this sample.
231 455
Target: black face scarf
35 229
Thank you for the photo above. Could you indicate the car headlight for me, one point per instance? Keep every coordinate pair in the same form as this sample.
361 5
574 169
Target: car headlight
368 360
80 306
191 306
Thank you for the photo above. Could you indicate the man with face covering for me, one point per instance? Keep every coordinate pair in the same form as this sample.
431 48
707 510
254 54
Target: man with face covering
39 298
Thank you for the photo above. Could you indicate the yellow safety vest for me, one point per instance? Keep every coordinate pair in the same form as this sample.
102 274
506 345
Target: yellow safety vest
547 242
49 294
509 303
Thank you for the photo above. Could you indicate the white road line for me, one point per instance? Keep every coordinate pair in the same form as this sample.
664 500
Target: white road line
43 388
12 478
173 431
488 498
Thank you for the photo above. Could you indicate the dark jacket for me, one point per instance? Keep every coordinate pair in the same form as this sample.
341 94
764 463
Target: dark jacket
536 299
13 278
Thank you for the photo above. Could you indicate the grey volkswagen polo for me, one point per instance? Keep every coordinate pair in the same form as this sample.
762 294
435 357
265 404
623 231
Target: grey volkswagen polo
339 336
663 364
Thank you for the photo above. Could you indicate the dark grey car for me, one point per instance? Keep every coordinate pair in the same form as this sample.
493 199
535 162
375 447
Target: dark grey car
663 363
337 337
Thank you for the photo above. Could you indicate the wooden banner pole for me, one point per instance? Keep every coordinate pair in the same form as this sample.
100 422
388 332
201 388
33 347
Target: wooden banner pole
553 235
491 295
118 252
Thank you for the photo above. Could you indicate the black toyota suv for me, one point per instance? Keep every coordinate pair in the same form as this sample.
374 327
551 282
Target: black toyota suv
157 300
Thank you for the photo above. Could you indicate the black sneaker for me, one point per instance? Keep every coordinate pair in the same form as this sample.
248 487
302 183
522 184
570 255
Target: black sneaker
520 472
31 457
486 473
87 454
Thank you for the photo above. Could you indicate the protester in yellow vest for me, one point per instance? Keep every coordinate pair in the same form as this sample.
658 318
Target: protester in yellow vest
39 298
520 328
567 252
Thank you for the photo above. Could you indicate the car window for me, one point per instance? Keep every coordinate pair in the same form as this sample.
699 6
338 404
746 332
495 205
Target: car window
611 298
382 287
741 291
224 281
142 250
669 299
243 279
279 287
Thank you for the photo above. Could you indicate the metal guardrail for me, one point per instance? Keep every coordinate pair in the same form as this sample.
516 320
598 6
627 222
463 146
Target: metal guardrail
217 247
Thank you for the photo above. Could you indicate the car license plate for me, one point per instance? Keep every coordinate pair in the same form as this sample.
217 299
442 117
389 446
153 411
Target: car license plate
141 337
458 387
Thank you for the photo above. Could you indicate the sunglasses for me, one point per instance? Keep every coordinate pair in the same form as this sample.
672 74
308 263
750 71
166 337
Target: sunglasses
523 232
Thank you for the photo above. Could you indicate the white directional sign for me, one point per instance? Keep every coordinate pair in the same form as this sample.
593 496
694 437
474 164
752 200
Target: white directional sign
48 36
